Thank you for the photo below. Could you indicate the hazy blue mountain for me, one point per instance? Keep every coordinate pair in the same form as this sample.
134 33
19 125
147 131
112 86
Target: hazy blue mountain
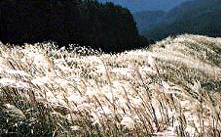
196 17
145 19
144 5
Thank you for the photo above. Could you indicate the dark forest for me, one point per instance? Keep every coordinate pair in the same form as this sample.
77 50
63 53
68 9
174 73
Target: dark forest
87 23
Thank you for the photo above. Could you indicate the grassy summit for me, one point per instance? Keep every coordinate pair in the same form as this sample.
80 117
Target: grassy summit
174 88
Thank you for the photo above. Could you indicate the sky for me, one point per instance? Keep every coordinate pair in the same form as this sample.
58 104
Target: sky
142 5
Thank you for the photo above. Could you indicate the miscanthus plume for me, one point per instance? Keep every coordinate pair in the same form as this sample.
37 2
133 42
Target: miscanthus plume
170 89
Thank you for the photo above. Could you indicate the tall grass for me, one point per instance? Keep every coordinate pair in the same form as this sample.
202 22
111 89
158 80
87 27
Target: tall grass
171 89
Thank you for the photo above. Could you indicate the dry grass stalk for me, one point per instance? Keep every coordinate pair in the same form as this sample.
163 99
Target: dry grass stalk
172 89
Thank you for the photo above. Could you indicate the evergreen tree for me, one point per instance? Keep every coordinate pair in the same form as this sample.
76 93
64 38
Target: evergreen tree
106 26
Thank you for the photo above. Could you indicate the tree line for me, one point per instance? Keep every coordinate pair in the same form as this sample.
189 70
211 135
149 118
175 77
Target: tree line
87 23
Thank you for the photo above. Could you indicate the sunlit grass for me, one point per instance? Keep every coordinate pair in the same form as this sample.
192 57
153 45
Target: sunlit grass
172 88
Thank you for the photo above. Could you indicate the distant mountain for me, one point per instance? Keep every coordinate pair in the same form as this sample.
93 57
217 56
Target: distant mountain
143 5
196 17
145 19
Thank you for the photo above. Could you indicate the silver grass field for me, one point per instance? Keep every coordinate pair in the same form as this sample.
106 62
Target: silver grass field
172 88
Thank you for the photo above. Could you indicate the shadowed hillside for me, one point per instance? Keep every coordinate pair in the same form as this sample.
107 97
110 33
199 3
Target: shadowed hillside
145 19
200 17
87 23
172 89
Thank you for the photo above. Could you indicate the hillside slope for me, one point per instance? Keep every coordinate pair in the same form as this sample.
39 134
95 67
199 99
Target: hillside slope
171 89
106 26
145 19
195 17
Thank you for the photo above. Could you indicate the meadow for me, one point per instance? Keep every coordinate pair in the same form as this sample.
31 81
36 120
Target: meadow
173 88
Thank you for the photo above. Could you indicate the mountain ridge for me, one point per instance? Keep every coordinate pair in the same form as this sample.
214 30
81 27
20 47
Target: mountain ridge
195 17
145 19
